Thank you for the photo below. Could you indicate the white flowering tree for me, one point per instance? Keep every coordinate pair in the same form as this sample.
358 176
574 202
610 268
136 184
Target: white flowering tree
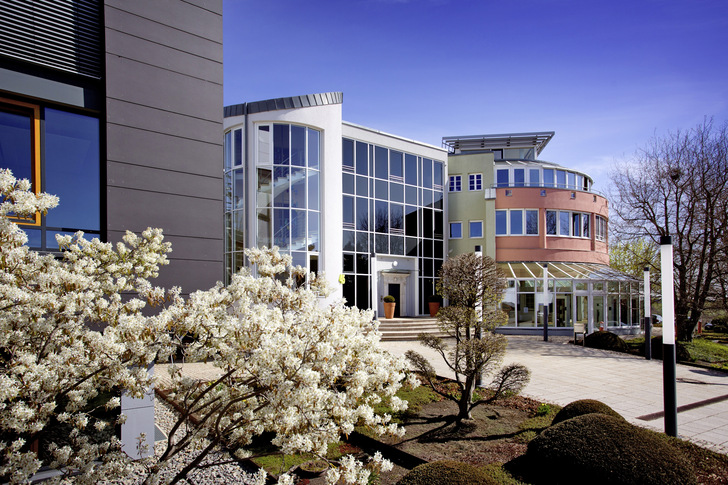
305 371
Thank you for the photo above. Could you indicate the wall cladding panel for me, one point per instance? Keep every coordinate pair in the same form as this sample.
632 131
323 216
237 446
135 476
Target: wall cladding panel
122 176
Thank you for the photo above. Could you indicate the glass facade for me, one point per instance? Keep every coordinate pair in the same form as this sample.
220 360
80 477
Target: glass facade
287 193
584 293
58 151
393 205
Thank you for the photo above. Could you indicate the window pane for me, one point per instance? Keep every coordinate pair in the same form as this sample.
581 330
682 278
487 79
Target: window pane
238 149
502 177
264 228
531 222
381 163
381 216
501 223
427 173
548 177
396 192
516 222
347 182
476 229
519 177
298 188
561 179
534 177
280 187
410 221
576 225
381 244
410 169
72 170
348 210
349 244
347 153
227 144
571 180
585 222
397 217
381 189
313 148
437 173
563 223
362 214
281 228
298 230
551 222
265 188
395 164
280 144
362 158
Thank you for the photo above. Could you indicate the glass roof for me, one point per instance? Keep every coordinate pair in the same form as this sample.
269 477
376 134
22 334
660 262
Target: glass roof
582 271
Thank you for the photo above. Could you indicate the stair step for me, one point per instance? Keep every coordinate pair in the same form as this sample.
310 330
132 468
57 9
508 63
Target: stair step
408 328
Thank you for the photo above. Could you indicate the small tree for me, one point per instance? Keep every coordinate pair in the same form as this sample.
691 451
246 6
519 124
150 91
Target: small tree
474 287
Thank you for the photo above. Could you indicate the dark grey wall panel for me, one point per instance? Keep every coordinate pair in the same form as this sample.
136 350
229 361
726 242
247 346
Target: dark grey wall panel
178 215
175 13
164 130
122 175
165 57
140 147
180 94
120 112
160 33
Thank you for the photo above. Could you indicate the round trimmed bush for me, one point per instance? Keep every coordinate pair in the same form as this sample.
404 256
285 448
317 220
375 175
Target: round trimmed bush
446 472
582 407
601 450
606 341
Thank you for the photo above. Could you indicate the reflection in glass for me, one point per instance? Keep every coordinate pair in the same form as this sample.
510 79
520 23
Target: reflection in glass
381 162
313 148
313 190
298 146
72 170
410 169
281 151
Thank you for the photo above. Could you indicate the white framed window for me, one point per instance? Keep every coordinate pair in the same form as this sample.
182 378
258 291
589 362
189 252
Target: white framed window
568 224
475 181
475 229
455 183
456 230
600 231
516 222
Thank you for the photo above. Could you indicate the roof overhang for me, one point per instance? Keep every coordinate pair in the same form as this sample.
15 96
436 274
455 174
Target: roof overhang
537 140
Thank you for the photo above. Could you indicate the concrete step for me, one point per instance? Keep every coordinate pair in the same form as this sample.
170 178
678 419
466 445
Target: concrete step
408 328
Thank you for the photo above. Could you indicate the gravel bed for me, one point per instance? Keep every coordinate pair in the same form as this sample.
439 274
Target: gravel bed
165 417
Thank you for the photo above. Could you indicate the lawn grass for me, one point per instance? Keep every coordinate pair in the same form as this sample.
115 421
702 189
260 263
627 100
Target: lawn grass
704 349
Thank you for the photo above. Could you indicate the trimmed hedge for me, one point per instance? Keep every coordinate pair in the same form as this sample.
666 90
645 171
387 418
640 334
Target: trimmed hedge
446 472
604 450
582 407
606 341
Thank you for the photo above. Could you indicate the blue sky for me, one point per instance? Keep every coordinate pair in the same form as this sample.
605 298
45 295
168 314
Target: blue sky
606 76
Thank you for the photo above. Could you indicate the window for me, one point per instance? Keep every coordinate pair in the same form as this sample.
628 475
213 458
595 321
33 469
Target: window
551 223
501 223
548 177
456 230
534 175
564 223
502 177
600 231
561 179
475 181
455 183
519 177
60 157
476 229
576 224
532 222
516 222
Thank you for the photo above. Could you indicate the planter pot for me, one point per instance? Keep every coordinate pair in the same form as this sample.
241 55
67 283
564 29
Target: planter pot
389 309
434 308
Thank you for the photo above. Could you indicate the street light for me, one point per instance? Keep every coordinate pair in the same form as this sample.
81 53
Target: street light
669 385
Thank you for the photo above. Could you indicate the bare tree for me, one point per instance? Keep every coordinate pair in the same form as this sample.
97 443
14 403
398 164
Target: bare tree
678 186
474 287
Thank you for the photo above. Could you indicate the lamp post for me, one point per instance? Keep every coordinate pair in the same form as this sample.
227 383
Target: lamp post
545 302
669 385
648 317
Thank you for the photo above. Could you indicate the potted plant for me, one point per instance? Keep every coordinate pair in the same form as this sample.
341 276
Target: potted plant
389 304
434 301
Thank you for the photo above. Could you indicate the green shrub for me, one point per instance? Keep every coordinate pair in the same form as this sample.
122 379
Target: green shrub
499 475
681 352
582 407
388 299
600 450
606 341
447 472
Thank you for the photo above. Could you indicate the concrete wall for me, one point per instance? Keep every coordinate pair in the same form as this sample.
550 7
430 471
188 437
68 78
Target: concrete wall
164 103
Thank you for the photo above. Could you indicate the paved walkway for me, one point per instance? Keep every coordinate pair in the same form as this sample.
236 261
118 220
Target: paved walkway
632 386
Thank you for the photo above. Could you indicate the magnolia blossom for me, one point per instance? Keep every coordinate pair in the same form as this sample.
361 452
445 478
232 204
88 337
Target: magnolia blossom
306 371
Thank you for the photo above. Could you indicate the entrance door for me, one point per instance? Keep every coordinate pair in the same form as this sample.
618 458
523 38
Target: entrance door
563 310
393 289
